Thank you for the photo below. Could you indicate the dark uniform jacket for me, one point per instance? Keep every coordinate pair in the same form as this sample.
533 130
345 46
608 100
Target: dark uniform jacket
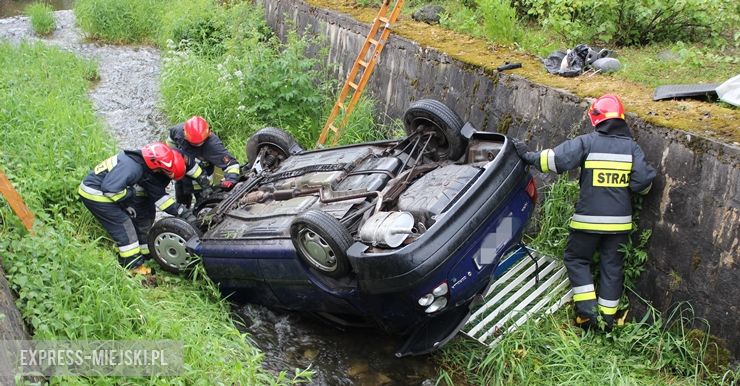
211 153
119 178
612 168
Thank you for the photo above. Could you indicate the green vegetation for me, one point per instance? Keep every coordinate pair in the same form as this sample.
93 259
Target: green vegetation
42 18
654 350
658 42
132 21
254 81
68 282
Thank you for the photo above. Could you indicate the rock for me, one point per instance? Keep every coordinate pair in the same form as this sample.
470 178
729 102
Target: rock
606 65
357 368
428 14
310 354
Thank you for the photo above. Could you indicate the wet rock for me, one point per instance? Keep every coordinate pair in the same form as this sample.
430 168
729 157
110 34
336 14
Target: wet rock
382 379
429 14
357 368
310 354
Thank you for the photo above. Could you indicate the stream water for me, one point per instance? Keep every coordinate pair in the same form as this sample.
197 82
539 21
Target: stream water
126 100
16 7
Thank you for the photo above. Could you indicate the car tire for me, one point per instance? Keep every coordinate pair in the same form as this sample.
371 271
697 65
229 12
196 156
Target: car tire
321 242
167 240
429 115
280 145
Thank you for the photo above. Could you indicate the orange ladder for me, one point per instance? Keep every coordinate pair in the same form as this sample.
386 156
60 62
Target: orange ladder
16 202
363 67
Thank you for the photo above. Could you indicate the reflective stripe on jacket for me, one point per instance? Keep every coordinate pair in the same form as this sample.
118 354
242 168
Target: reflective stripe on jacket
612 168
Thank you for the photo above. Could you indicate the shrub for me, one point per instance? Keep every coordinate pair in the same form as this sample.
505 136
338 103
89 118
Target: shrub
131 21
42 18
197 25
632 22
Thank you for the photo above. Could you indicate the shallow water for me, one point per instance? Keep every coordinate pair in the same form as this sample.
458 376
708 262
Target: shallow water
126 99
352 357
16 7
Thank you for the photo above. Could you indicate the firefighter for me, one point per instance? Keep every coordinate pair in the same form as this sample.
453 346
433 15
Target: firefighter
613 167
194 138
122 192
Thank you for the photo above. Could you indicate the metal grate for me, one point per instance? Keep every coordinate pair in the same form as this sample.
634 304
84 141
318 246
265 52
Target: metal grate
530 288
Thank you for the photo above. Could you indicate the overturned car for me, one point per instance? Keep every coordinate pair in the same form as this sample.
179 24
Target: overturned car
403 235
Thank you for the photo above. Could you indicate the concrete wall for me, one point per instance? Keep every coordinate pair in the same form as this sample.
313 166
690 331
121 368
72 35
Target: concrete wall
692 210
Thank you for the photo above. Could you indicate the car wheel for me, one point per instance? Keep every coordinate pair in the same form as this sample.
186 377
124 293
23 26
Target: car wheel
167 240
431 116
272 146
322 242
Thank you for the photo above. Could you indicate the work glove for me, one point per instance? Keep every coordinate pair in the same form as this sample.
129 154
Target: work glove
206 188
226 185
188 216
130 211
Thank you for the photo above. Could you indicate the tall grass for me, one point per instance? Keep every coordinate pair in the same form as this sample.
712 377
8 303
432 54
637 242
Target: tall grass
42 18
68 281
656 350
116 21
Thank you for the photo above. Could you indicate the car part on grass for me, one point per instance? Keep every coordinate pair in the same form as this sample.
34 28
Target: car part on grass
387 228
432 116
729 91
508 66
322 241
581 58
699 91
167 240
524 288
268 147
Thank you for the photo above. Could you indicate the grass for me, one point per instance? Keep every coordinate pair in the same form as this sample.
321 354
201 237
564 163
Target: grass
42 18
655 350
68 282
114 21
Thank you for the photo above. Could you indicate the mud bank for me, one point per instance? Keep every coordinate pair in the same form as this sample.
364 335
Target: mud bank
693 210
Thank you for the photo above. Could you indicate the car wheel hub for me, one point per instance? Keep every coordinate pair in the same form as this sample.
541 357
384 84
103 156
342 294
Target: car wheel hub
317 250
170 247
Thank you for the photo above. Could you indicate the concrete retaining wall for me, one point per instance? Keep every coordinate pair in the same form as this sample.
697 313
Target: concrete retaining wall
692 210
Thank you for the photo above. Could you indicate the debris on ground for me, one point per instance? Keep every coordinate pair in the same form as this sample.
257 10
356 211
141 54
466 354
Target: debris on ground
696 91
429 14
729 91
582 58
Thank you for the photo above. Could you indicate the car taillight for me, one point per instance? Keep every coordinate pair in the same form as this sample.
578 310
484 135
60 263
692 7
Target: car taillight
532 190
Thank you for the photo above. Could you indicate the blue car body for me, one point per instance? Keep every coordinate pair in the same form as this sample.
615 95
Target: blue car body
481 224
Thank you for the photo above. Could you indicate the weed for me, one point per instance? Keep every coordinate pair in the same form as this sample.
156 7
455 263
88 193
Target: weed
131 21
42 18
554 215
67 278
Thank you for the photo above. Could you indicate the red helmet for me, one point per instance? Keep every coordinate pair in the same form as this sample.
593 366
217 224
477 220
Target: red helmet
160 157
196 130
607 107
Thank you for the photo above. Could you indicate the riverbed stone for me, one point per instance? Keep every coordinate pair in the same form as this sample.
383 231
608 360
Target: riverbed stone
695 203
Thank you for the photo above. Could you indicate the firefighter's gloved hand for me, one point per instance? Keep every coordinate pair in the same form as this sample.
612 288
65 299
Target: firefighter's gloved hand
130 211
188 215
226 185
